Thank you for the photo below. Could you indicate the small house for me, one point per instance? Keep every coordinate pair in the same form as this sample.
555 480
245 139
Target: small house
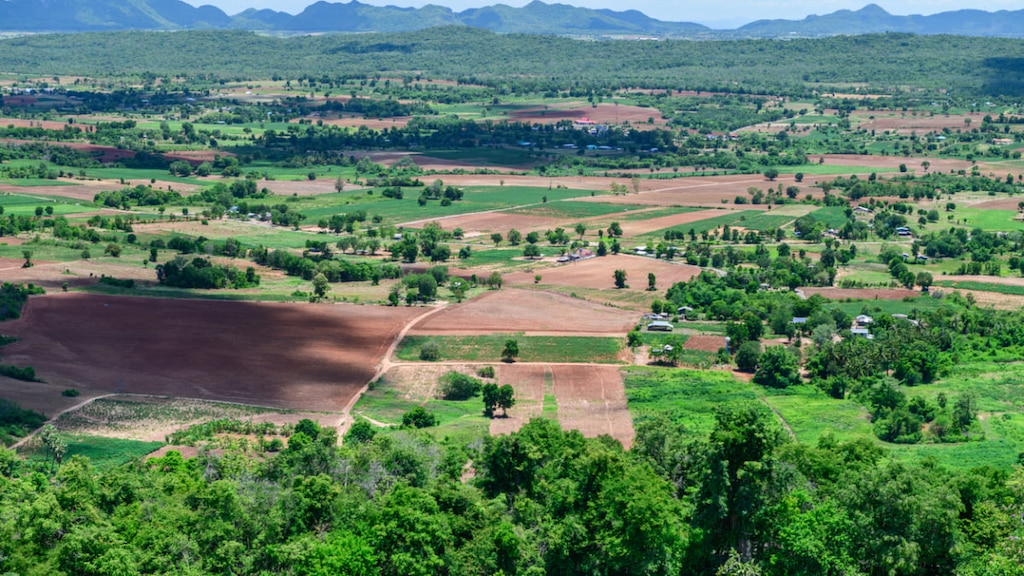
863 320
862 333
660 326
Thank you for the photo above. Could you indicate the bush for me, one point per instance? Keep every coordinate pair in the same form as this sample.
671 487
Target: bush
360 432
418 417
28 373
485 371
430 351
70 393
748 355
458 386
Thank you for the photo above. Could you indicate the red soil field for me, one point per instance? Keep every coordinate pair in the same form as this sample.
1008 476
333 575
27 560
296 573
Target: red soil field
893 162
295 356
528 382
705 343
860 293
704 191
26 123
529 311
603 113
598 273
592 399
1000 204
906 122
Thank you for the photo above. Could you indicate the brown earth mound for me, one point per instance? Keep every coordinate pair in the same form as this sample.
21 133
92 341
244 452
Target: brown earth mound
296 356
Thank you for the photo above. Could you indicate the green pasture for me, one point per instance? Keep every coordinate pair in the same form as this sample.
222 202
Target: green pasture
879 306
990 220
485 156
831 216
728 218
476 199
981 285
573 209
686 397
766 221
104 453
24 205
531 348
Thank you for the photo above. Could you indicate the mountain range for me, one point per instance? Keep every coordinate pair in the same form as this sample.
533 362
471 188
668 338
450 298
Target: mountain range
39 16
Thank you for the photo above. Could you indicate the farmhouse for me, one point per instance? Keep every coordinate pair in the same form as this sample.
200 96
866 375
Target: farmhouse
660 326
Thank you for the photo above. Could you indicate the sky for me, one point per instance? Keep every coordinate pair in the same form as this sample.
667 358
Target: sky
723 13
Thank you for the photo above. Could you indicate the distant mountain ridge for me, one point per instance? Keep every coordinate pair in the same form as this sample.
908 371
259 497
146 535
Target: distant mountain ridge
535 18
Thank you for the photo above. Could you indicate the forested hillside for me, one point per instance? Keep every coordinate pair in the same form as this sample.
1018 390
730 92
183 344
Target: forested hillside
934 65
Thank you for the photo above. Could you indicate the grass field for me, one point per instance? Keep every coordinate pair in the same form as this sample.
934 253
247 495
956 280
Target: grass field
831 216
104 453
731 218
763 221
855 307
686 397
459 421
531 348
982 286
571 209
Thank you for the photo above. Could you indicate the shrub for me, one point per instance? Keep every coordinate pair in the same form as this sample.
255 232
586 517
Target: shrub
748 355
361 432
28 373
418 417
70 393
458 386
430 351
485 371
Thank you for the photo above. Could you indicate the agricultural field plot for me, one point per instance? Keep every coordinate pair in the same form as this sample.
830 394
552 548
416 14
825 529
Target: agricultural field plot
603 113
285 356
860 293
54 193
474 225
891 163
527 311
76 273
906 123
641 227
488 348
592 399
149 418
598 273
687 397
574 209
529 382
705 343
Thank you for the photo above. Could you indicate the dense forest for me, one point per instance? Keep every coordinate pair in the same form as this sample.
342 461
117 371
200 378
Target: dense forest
744 500
886 62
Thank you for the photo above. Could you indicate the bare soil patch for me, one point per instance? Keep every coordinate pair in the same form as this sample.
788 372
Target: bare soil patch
528 382
705 343
294 356
1000 204
640 227
893 162
592 399
861 293
603 113
488 222
704 191
28 123
598 273
303 187
101 153
53 275
907 122
529 311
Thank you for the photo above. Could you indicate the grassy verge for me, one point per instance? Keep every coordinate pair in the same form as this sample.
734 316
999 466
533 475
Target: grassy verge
531 348
982 286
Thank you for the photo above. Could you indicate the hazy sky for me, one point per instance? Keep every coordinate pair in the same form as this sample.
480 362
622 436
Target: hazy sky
722 12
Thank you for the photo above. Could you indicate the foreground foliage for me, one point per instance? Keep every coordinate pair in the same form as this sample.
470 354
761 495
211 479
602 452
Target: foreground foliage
544 501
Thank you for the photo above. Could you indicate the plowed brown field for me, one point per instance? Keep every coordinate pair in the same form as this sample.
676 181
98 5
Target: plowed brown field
296 356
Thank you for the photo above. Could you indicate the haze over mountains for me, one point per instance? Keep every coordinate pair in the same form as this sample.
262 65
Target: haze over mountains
534 18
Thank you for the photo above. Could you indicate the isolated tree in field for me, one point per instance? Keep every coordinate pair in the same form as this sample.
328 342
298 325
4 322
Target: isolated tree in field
496 238
581 229
27 254
614 230
771 173
55 444
924 279
494 280
531 251
533 237
652 282
339 185
620 279
636 185
320 286
506 398
511 350
514 237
